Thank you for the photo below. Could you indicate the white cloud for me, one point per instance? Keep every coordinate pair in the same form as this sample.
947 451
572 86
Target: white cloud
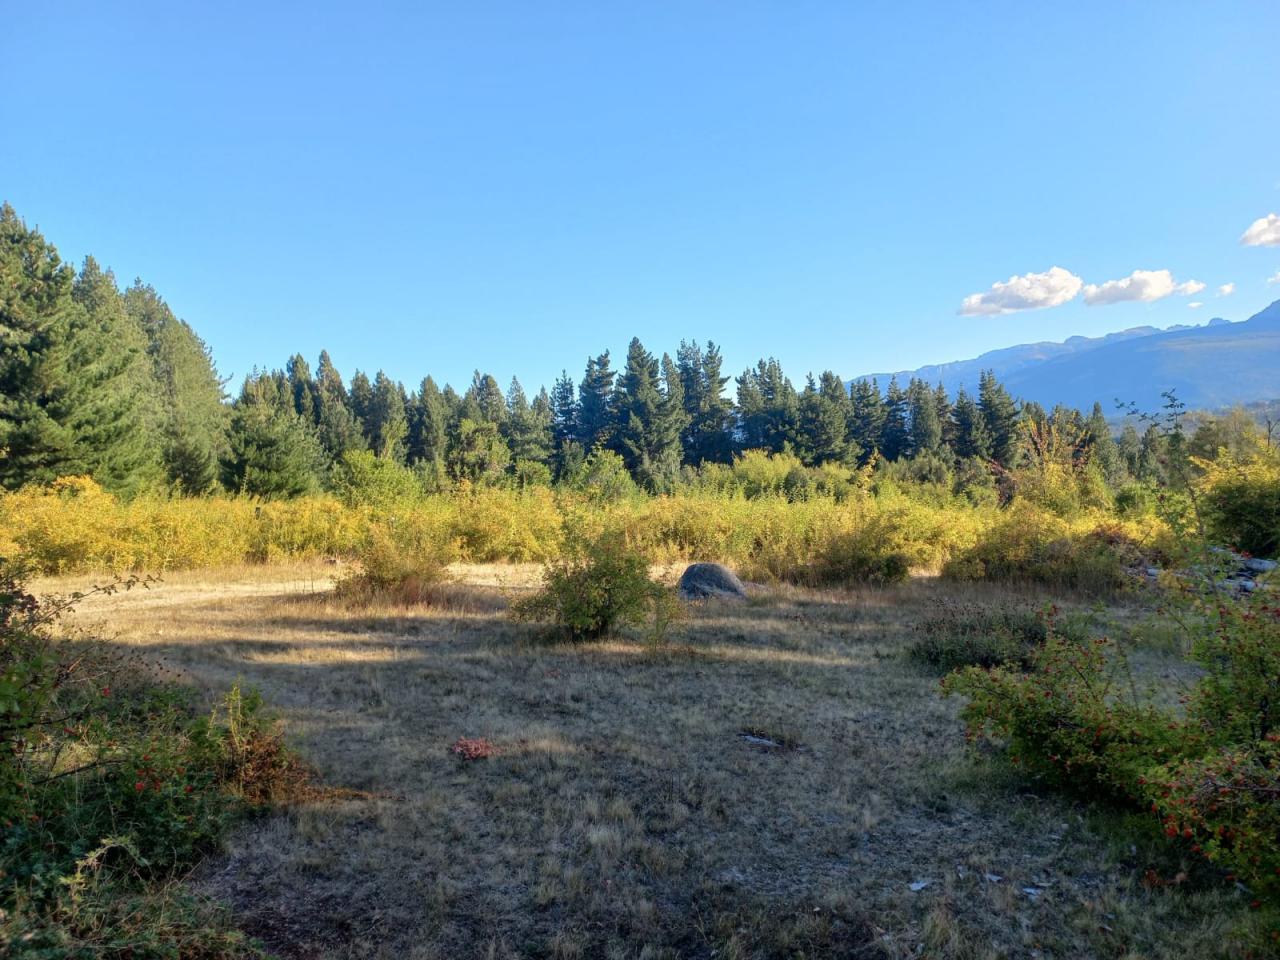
1263 232
1226 290
1031 291
1274 278
1195 304
1143 285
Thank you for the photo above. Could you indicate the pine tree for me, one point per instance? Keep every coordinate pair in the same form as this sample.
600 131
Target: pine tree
564 410
1102 446
388 423
489 403
360 400
769 408
428 425
596 419
971 438
303 389
649 421
925 428
1000 415
39 391
1130 449
866 417
272 452
117 422
824 422
709 434
191 394
895 436
527 427
336 426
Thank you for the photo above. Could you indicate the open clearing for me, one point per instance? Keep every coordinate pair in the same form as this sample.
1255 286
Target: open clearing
626 812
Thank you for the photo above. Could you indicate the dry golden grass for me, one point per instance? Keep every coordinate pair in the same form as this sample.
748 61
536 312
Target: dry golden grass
624 814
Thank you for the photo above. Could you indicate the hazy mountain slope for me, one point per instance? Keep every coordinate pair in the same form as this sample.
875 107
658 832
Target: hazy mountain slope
1008 360
1216 365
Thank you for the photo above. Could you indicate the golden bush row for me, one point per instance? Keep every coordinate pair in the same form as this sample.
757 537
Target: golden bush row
74 526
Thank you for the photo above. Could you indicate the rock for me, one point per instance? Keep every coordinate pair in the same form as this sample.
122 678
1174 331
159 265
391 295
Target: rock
919 885
702 581
1256 565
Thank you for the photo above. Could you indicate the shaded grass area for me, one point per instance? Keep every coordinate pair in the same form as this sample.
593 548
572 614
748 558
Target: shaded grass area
624 814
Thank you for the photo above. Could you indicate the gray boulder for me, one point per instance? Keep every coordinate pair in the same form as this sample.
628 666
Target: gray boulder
703 581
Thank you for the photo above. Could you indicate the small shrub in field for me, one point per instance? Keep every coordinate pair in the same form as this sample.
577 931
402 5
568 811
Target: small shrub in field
590 595
959 634
399 561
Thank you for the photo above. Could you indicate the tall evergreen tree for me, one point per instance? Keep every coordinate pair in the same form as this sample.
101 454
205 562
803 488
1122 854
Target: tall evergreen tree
191 394
39 385
649 421
709 434
866 416
388 422
596 419
971 438
428 425
338 429
824 422
1102 446
117 422
360 401
768 408
527 426
925 429
1000 415
272 451
486 396
895 435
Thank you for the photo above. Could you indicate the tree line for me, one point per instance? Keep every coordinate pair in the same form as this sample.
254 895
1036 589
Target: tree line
108 382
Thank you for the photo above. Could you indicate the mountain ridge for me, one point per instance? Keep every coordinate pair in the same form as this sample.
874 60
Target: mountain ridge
1218 363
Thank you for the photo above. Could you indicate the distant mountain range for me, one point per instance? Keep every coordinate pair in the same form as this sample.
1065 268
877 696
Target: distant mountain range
1216 365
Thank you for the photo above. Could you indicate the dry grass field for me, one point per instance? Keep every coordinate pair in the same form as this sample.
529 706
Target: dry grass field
630 807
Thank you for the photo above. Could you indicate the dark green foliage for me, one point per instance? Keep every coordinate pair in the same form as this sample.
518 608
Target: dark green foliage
971 437
112 786
597 589
895 434
985 635
823 428
768 408
273 451
190 393
337 428
75 385
527 427
477 452
595 404
866 417
650 417
1000 415
708 437
926 428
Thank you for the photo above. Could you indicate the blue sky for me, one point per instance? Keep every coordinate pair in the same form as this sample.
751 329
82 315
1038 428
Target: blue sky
431 188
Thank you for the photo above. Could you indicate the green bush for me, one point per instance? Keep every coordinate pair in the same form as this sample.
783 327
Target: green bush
399 561
1242 500
110 785
599 588
1209 773
961 634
